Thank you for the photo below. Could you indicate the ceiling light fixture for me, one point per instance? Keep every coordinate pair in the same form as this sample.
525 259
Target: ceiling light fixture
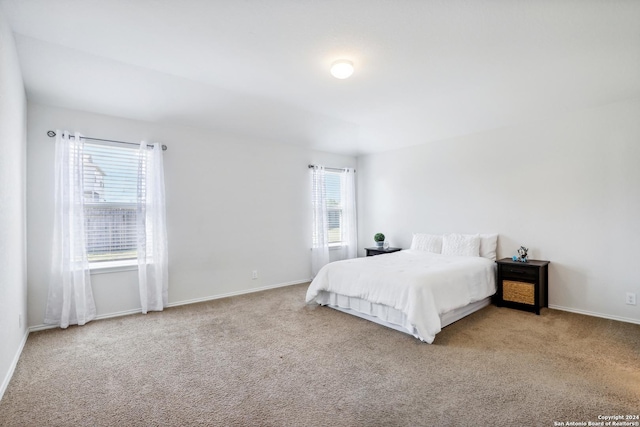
341 69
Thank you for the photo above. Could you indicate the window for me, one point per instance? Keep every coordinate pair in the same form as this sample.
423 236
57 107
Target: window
333 222
333 191
110 194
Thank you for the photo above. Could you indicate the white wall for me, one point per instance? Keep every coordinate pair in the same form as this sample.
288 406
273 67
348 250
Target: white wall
13 273
567 188
233 205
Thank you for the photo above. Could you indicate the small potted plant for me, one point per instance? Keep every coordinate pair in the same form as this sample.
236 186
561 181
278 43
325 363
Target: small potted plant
379 239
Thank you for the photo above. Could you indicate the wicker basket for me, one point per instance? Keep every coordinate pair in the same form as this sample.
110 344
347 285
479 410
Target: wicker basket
521 292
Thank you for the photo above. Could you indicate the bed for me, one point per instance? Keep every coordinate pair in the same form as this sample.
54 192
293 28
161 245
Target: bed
440 280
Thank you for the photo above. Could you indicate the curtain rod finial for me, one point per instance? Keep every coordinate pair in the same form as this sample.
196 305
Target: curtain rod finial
51 134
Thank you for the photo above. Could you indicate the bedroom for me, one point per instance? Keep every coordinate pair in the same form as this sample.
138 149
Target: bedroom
523 122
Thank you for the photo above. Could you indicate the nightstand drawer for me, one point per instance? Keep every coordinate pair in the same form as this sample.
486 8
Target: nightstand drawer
520 292
522 273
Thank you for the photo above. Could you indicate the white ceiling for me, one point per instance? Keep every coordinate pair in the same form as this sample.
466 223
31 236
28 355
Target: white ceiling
425 70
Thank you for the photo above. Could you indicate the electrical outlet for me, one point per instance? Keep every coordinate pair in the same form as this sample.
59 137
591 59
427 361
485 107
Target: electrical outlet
631 298
254 275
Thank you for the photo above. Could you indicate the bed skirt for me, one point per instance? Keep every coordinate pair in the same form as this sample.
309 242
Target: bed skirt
388 316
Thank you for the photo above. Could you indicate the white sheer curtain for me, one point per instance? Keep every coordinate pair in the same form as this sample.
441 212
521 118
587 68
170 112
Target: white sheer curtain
70 300
320 233
349 224
153 276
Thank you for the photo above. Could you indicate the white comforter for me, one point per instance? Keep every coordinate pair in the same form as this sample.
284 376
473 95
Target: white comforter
420 284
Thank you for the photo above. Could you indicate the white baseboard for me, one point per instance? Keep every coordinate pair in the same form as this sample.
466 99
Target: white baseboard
43 326
14 363
185 302
594 314
236 293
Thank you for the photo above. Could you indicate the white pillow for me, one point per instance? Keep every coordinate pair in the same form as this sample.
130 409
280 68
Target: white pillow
461 244
488 246
427 242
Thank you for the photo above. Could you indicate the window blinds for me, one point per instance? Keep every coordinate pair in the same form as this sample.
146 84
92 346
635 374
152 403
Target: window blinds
111 188
334 206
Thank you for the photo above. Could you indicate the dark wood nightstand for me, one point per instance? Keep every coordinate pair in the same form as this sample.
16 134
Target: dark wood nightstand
380 251
522 285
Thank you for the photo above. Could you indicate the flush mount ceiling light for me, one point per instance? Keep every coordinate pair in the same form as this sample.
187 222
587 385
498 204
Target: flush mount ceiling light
341 69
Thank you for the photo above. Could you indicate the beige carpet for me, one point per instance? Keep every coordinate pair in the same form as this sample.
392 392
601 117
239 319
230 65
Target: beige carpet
268 359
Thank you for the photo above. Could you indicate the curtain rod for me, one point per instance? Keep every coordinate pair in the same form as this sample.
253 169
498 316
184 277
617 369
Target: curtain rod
51 134
331 169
